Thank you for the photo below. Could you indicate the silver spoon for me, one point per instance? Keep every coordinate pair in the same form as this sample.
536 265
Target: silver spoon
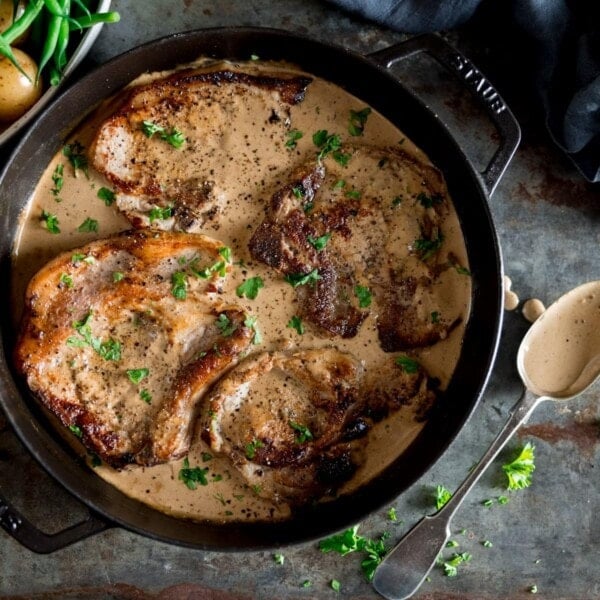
559 358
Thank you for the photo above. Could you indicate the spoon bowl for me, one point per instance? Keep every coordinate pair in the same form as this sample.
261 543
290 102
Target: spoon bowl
558 359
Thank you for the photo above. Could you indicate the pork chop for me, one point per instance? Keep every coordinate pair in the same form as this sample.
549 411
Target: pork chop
361 233
293 424
171 146
120 339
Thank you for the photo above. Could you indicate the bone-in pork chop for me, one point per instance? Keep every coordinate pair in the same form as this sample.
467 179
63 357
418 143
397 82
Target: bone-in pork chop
294 424
171 144
120 338
360 234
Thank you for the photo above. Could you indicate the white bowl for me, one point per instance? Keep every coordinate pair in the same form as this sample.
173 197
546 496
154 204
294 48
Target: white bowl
88 39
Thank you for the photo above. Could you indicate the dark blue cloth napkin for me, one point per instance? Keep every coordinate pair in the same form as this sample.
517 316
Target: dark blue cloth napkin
563 56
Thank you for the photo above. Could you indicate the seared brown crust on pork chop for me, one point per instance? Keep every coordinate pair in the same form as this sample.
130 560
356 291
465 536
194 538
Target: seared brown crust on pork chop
120 338
292 423
367 236
166 187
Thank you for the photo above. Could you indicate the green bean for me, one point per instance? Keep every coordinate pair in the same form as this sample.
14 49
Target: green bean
60 52
50 43
22 24
91 20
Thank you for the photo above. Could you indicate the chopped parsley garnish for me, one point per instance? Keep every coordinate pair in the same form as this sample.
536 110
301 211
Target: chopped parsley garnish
426 248
251 447
75 152
293 136
146 396
174 137
329 144
340 183
192 476
350 541
108 350
250 288
304 433
354 194
75 430
487 503
206 456
226 327
257 489
298 191
57 180
364 296
319 243
391 514
50 221
306 583
225 253
397 201
520 470
429 201
160 213
487 544
296 279
279 559
533 589
179 285
408 365
88 226
502 500
254 57
335 585
136 375
358 120
77 257
296 323
435 317
462 270
66 280
250 321
107 195
451 566
441 496
308 206
117 276
452 544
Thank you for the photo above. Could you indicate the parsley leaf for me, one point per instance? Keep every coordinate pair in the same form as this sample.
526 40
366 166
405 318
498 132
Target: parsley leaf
50 221
296 323
75 430
364 296
520 470
179 285
57 180
226 327
251 322
251 447
391 514
136 375
426 248
108 350
279 559
304 433
88 226
358 120
66 280
343 543
319 243
192 476
408 365
442 495
250 288
375 550
75 152
146 396
296 279
335 585
107 195
429 201
160 213
354 194
293 136
451 566
117 276
326 143
174 137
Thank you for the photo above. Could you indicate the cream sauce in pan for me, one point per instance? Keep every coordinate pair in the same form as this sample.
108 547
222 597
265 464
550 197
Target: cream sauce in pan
249 184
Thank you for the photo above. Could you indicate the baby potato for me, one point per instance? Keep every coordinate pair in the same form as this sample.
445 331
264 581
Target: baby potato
17 93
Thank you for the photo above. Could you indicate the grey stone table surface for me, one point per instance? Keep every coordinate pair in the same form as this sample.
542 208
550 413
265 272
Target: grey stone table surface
547 536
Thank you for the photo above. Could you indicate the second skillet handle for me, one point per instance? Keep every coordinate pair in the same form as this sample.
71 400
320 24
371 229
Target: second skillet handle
27 534
479 86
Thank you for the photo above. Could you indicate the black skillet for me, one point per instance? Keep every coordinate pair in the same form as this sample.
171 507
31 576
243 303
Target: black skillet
369 79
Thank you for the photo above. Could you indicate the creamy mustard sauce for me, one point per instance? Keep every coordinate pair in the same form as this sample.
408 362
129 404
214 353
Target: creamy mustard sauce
561 354
249 184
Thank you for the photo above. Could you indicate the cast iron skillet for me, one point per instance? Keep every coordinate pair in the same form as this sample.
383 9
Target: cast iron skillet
368 79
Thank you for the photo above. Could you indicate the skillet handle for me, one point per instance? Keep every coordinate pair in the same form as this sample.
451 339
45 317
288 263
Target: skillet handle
17 526
480 87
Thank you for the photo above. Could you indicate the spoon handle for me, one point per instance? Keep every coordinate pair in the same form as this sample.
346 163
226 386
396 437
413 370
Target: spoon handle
405 567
